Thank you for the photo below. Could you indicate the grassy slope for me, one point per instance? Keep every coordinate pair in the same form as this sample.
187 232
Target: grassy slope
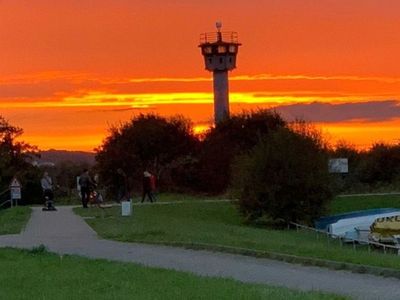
13 220
47 276
219 224
353 203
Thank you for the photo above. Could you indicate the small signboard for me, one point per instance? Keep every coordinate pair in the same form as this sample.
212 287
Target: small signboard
15 193
15 189
126 208
338 165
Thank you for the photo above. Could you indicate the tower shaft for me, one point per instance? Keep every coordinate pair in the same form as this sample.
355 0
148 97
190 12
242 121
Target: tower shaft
221 96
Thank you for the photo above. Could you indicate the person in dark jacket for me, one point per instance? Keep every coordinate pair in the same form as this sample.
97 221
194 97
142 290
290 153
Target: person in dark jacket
85 183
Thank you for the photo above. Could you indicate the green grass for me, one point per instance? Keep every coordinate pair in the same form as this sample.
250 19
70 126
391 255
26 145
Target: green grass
13 220
176 197
354 203
41 275
219 224
162 197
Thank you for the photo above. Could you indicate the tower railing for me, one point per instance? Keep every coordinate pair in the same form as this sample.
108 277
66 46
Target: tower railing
214 37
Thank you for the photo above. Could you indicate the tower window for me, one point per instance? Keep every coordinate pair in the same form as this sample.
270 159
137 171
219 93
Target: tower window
221 49
207 50
221 60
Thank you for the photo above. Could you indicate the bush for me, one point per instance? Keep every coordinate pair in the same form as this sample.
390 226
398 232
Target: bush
382 164
284 178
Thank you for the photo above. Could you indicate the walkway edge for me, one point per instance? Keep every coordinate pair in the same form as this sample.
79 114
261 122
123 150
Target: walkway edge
294 259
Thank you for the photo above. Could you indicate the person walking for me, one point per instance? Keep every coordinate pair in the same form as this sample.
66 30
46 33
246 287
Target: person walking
147 187
85 183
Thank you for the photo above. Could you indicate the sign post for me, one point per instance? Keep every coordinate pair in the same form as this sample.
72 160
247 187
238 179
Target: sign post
15 189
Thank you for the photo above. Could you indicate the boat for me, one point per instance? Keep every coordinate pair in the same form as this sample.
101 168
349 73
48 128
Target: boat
340 227
386 230
324 222
355 225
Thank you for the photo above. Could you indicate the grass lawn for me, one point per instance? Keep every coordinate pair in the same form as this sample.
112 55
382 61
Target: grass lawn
40 275
164 197
13 220
175 197
219 224
353 203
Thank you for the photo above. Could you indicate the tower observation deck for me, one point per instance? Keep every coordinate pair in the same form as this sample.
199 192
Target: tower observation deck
219 50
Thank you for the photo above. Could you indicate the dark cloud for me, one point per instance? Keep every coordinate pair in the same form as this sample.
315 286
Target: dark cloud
324 112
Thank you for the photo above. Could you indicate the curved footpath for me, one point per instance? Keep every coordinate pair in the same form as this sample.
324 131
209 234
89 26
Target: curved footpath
64 232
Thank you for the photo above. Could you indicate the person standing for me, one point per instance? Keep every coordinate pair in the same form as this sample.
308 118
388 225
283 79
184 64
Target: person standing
47 186
85 183
147 190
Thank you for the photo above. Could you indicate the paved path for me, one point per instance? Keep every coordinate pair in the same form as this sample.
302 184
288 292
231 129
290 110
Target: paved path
65 233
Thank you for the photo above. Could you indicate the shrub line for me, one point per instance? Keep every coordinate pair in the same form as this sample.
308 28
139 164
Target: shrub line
294 259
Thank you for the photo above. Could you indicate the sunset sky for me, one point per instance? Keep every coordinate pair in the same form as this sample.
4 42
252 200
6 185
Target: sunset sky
71 69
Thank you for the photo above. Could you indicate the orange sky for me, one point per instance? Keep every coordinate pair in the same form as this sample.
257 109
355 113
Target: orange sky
70 69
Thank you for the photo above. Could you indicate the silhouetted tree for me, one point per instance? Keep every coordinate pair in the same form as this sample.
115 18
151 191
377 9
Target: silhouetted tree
381 164
235 135
146 142
15 157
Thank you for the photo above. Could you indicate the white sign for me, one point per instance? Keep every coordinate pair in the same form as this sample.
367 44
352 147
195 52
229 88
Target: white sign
338 165
126 208
15 193
15 189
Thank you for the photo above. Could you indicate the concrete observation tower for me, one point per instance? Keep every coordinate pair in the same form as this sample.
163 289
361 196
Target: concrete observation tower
219 50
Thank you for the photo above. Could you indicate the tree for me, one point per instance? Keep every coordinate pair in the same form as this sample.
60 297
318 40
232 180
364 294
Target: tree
14 161
233 136
146 142
284 178
381 164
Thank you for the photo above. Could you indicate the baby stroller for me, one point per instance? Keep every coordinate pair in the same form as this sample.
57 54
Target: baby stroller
48 196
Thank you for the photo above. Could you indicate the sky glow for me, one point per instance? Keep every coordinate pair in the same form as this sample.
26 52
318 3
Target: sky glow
71 69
